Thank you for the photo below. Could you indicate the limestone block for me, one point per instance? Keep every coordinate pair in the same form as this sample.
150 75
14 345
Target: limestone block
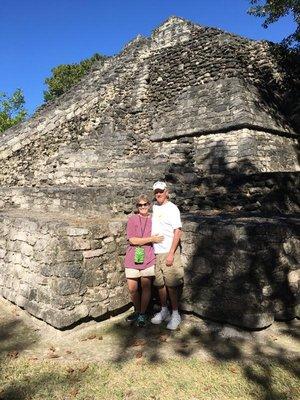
99 294
74 231
294 281
79 243
114 279
65 286
97 310
26 249
93 278
116 227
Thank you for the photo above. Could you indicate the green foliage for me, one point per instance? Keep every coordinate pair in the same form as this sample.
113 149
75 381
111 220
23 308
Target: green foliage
12 109
66 75
273 10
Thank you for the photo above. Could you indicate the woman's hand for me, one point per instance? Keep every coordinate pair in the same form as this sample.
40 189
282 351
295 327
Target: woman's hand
157 239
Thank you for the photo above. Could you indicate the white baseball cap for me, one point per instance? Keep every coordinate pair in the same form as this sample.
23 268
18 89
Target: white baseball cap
159 185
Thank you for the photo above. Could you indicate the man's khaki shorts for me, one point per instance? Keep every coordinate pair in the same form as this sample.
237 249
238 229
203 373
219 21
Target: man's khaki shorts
134 273
168 276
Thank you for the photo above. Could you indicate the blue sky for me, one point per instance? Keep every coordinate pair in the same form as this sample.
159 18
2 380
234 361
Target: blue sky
37 35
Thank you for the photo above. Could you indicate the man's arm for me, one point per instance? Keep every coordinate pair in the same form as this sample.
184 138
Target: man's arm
175 243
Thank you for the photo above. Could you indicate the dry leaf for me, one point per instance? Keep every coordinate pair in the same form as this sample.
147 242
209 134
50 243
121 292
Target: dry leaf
163 338
232 369
74 392
84 368
33 358
13 354
139 354
128 394
91 337
52 355
139 342
184 345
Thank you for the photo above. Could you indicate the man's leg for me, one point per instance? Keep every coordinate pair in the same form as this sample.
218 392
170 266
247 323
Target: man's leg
164 314
173 294
162 291
175 318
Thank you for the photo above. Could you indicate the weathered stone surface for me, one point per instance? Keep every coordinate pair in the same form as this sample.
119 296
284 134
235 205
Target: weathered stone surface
236 270
211 113
80 283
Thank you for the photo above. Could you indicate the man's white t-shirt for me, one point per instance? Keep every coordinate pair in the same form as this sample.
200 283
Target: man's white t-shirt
165 219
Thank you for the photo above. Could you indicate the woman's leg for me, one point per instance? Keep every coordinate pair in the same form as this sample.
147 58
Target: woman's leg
133 286
146 282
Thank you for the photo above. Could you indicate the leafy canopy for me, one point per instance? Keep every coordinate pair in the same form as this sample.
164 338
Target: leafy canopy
273 10
66 75
12 109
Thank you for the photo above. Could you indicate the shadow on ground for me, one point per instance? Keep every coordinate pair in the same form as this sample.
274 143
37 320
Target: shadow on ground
15 338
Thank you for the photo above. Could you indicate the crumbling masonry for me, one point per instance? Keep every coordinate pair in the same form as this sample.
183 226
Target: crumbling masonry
213 114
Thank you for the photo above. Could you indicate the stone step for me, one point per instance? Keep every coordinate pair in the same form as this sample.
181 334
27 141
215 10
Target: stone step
78 200
263 193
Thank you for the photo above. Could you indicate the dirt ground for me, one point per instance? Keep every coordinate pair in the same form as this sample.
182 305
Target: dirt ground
22 335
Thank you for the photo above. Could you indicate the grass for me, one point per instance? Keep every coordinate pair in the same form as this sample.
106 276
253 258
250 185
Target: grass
138 379
112 360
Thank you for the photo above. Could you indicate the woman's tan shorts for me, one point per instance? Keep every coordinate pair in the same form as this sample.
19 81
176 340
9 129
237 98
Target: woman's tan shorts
168 276
138 273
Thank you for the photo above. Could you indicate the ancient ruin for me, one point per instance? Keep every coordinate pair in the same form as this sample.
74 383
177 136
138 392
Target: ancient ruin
213 114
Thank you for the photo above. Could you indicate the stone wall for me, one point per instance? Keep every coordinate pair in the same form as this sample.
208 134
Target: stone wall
262 194
62 269
242 270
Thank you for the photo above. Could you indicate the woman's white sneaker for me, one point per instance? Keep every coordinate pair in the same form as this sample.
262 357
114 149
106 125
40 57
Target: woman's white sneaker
160 317
174 322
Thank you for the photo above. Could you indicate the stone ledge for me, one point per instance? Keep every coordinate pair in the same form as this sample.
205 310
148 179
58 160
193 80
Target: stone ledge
222 128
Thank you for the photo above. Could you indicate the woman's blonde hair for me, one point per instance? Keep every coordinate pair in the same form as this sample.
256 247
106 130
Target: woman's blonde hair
140 198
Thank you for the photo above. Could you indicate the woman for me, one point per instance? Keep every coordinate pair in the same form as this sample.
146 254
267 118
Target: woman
140 259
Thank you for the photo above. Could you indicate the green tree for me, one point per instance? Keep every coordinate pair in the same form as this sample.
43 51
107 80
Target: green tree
273 10
12 109
66 75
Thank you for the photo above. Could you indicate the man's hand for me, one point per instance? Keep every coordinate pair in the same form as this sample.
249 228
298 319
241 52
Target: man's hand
169 260
157 238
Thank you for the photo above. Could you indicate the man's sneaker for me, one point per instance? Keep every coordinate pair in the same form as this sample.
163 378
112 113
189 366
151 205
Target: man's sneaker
132 317
160 317
141 320
174 322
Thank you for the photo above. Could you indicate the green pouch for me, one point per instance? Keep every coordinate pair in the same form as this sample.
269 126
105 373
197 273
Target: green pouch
139 255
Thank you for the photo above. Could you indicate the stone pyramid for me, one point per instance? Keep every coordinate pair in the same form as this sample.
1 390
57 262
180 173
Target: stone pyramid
214 115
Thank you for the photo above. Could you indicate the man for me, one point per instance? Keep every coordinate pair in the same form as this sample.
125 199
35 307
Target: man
166 222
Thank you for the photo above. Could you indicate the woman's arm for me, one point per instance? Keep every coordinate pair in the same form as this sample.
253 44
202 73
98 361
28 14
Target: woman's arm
136 241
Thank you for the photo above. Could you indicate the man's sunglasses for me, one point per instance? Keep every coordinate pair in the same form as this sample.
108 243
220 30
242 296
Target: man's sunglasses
140 205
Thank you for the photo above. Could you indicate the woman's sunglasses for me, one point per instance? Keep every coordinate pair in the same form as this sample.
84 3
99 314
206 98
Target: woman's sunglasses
140 205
